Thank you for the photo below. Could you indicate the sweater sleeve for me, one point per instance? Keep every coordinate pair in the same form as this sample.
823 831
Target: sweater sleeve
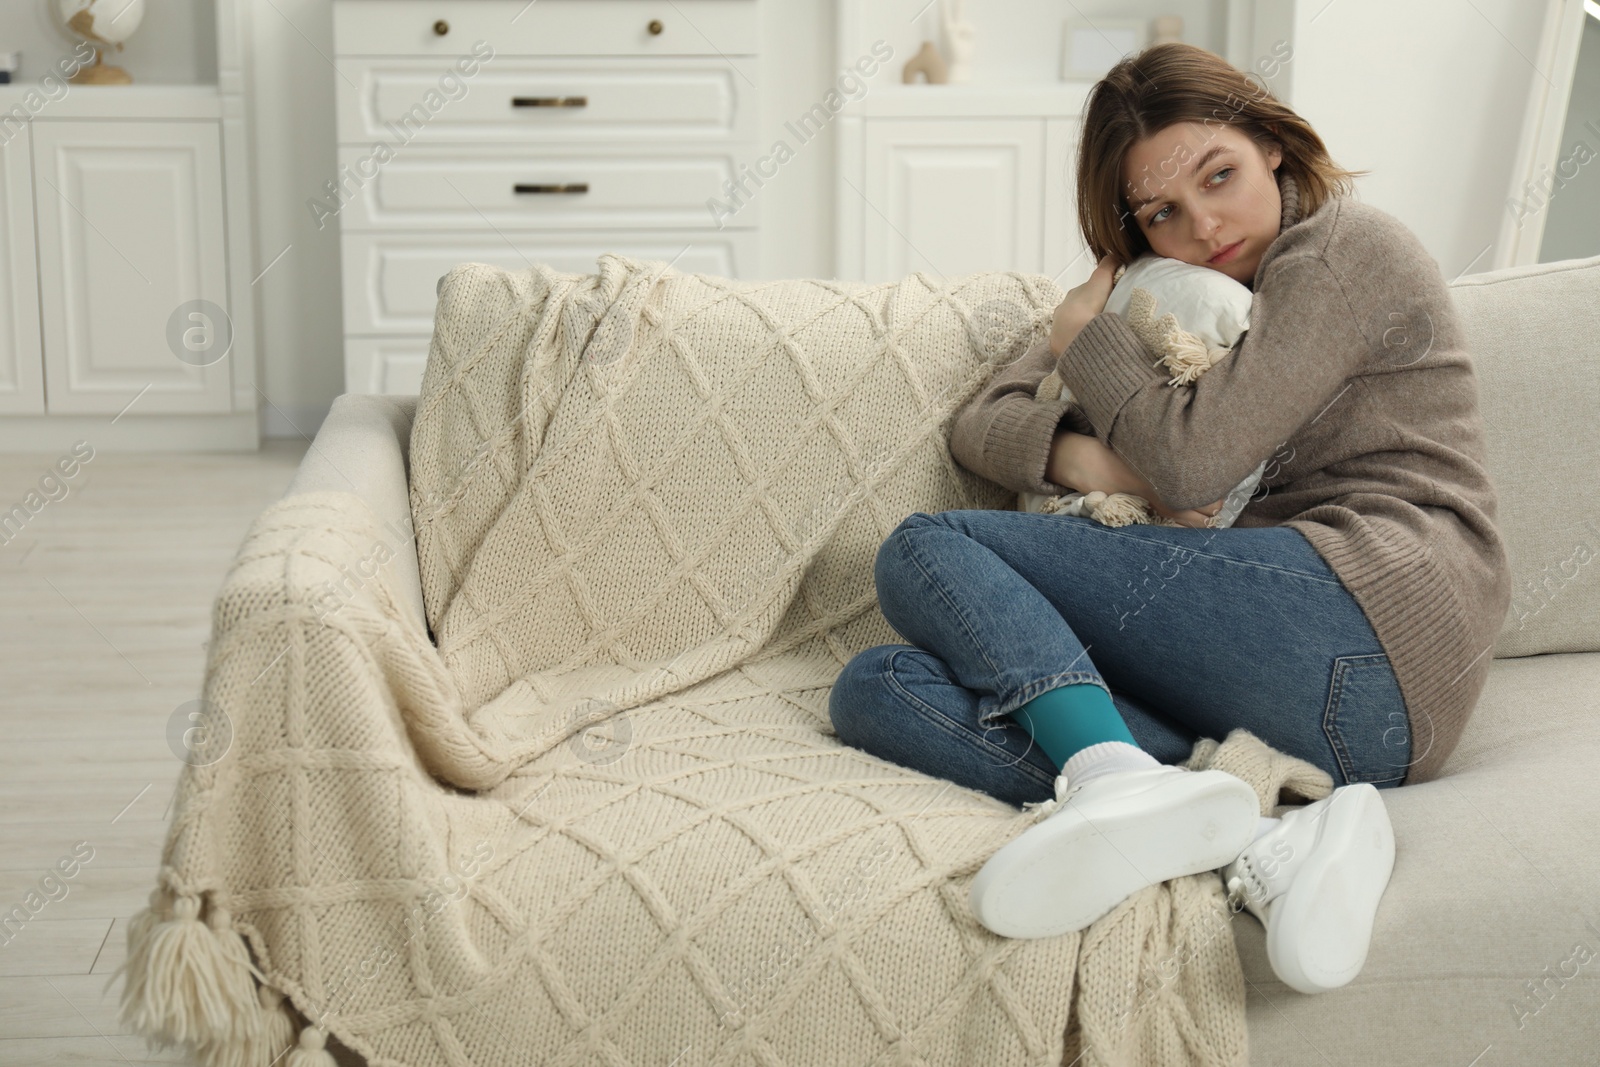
1003 433
1195 443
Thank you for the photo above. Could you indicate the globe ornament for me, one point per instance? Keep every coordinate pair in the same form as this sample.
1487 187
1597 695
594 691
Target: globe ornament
103 24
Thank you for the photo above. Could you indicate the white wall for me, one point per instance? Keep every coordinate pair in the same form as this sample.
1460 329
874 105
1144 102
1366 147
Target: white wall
302 343
1428 94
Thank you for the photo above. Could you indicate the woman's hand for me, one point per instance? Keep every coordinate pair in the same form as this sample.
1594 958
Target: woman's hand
1081 462
1188 517
1080 305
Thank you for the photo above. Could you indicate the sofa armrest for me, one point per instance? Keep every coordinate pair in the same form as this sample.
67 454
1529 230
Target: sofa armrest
362 449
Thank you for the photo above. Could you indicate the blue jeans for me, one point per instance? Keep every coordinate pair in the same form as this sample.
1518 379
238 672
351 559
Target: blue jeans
1192 631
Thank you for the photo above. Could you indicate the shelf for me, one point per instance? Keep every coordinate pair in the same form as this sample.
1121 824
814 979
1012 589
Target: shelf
115 101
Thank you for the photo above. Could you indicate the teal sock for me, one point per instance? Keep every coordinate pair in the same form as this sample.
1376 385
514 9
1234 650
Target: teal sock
1072 717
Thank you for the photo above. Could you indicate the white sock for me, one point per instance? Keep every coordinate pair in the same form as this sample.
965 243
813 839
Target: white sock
1264 825
1106 758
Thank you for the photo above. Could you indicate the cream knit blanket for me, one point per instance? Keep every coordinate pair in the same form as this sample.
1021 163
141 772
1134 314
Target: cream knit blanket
600 816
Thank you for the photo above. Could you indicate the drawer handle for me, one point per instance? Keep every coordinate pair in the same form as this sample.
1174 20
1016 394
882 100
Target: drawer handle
654 27
569 187
441 28
549 101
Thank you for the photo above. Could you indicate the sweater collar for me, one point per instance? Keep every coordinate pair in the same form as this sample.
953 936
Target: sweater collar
1289 193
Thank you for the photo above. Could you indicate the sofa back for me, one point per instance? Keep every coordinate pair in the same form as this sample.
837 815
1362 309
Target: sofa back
1534 337
657 407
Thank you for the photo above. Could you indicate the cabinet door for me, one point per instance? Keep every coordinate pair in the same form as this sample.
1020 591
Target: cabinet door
21 366
952 196
131 238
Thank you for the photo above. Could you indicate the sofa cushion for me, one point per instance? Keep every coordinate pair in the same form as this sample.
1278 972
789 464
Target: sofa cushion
1534 336
1488 934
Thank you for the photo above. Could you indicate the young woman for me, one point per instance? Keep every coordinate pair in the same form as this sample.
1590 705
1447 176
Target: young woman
1346 616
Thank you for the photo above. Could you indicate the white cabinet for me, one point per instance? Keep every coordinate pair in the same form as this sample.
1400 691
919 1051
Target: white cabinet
509 133
959 178
21 377
126 311
131 238
953 196
390 281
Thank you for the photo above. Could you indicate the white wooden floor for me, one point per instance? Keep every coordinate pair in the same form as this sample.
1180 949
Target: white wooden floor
105 602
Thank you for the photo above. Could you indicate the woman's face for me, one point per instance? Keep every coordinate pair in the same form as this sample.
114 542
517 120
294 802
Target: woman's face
1198 190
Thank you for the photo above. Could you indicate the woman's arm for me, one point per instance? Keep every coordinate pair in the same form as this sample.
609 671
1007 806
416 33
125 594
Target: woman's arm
1196 443
1082 462
1005 434
1079 460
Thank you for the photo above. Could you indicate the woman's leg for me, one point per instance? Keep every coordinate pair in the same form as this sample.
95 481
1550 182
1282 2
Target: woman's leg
1208 629
902 704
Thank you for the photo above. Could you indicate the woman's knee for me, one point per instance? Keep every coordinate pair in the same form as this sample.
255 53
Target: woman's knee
893 546
857 692
890 565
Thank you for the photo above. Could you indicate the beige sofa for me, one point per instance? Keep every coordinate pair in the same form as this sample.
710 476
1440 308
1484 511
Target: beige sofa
1487 944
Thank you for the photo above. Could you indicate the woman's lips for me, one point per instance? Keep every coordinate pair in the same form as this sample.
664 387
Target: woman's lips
1227 253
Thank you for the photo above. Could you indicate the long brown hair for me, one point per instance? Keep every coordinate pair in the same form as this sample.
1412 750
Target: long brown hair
1178 82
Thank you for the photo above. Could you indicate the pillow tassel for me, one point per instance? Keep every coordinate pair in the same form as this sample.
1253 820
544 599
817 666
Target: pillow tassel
1188 357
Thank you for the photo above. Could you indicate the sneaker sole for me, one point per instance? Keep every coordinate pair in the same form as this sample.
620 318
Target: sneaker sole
1321 927
1063 873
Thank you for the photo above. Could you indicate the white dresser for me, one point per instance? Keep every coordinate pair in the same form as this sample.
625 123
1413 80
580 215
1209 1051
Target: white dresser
126 252
513 133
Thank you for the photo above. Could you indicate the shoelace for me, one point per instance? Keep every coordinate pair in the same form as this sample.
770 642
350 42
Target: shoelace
1063 788
1247 884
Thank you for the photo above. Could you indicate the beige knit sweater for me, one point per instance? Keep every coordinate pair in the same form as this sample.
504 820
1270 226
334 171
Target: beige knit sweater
1353 378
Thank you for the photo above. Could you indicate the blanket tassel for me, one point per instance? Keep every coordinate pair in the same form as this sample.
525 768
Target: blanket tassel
192 984
312 1051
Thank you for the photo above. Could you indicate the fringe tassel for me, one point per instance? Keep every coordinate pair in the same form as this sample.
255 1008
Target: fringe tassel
311 1051
1121 509
260 1040
277 1027
187 983
1187 357
191 982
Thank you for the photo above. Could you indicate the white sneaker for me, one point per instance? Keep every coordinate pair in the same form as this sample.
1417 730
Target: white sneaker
1314 881
1108 837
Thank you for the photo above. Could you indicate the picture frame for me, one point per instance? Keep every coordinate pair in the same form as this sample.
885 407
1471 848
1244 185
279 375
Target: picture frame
1091 47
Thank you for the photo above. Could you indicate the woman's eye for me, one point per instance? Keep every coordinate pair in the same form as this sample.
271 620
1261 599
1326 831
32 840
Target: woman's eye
1157 216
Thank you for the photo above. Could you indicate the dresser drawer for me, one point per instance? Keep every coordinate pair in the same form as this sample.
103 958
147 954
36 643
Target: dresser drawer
391 280
546 27
516 100
483 191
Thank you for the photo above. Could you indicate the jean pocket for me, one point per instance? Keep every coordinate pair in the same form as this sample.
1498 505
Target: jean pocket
1366 722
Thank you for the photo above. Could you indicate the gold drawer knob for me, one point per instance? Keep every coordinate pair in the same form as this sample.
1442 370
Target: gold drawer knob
655 27
441 28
